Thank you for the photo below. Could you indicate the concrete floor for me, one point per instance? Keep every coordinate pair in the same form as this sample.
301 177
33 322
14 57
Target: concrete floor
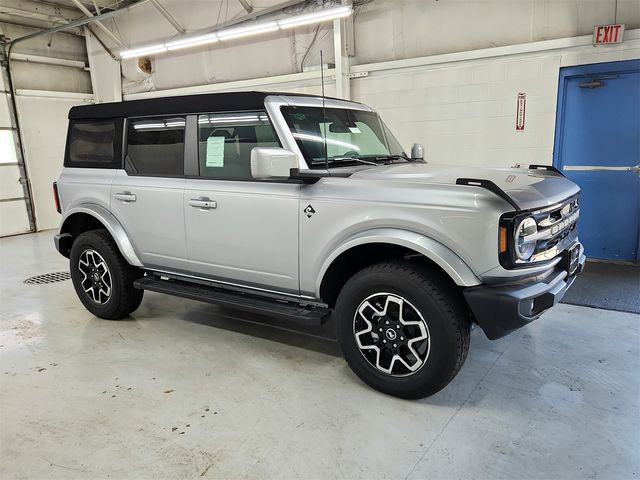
184 389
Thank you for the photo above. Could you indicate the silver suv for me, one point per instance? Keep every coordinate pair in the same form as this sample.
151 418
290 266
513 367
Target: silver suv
308 207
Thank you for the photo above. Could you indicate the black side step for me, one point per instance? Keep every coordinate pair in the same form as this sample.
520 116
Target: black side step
241 301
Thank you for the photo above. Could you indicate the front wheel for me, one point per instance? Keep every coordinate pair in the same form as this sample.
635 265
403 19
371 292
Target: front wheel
403 329
102 277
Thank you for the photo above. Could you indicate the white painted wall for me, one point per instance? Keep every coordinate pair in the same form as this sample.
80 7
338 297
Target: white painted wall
464 112
397 29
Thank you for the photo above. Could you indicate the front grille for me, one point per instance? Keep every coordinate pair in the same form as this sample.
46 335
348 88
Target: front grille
557 228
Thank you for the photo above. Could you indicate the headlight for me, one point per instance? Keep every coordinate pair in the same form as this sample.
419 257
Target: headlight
525 227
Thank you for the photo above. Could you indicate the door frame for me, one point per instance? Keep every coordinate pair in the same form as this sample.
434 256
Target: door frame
577 71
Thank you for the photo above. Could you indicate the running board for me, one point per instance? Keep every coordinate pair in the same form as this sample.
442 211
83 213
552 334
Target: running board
241 301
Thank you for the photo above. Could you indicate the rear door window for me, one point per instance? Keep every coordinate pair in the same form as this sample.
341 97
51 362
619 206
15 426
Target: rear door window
155 146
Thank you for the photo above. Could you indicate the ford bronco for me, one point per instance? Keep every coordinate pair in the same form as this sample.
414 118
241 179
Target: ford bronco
308 207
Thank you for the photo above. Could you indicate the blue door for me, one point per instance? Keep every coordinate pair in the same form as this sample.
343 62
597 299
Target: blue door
597 146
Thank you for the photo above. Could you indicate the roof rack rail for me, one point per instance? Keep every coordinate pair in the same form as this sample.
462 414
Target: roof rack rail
489 185
549 168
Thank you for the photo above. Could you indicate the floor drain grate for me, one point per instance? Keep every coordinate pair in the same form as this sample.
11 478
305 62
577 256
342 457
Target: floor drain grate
48 278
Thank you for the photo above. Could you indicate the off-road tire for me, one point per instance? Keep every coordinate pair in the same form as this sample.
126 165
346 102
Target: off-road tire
124 298
435 298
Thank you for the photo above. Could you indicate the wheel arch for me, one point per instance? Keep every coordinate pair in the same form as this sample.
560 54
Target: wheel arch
378 245
90 217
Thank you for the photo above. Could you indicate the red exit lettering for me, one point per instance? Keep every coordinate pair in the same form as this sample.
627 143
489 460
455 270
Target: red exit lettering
604 34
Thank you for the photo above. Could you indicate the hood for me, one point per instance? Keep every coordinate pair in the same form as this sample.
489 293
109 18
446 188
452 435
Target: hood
529 189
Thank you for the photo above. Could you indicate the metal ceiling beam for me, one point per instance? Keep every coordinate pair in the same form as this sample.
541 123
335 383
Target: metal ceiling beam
36 11
78 23
39 6
17 12
100 25
246 5
32 23
165 13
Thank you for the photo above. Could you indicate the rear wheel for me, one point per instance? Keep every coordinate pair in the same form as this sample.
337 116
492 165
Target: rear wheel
102 277
403 329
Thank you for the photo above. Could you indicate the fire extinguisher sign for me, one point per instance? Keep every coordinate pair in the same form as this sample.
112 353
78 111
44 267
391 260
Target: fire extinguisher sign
520 108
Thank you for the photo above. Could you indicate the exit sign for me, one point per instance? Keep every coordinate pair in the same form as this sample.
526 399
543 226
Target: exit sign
606 34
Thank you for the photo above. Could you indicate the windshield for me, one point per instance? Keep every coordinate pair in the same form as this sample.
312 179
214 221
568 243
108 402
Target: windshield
352 136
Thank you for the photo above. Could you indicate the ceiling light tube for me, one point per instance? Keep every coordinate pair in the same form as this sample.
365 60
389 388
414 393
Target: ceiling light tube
316 17
238 32
229 33
192 42
138 52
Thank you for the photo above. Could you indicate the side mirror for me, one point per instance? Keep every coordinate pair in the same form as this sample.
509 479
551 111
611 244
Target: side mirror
417 152
272 162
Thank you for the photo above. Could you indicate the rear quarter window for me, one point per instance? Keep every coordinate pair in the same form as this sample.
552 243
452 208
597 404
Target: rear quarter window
94 144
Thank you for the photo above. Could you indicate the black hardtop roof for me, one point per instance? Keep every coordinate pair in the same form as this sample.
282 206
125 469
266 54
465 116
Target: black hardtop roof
207 102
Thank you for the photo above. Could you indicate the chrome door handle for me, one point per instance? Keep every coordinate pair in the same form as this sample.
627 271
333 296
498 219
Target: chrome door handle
126 197
203 203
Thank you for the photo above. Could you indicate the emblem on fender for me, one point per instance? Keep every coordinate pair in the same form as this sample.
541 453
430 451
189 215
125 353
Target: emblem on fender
309 211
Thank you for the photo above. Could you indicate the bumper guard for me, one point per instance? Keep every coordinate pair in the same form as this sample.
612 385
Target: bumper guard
499 310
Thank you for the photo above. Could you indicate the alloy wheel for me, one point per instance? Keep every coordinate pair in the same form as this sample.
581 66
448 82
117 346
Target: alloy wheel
96 278
391 334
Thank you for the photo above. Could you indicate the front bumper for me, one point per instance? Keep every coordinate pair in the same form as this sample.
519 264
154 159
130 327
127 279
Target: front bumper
500 310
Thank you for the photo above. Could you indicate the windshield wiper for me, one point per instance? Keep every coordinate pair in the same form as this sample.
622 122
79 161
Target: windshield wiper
343 160
395 157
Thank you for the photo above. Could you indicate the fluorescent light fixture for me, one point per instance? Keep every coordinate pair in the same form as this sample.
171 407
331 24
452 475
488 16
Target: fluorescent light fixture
138 52
316 17
264 27
192 42
239 32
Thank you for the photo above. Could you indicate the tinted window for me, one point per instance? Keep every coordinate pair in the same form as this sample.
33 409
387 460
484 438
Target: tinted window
94 144
225 141
155 146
